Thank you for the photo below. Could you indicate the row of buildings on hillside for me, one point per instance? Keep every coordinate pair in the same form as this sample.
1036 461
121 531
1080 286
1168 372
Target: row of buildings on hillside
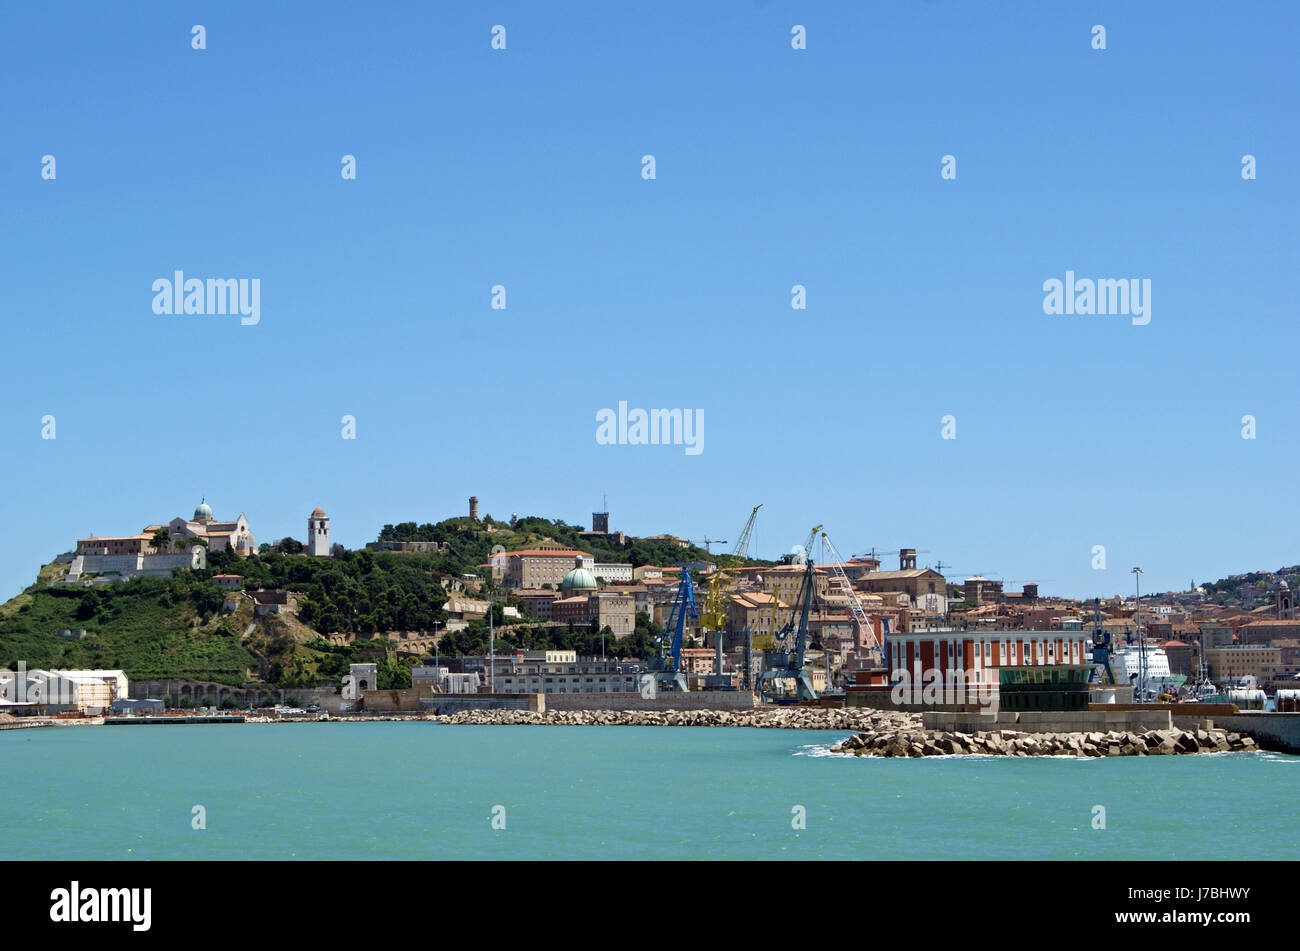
158 549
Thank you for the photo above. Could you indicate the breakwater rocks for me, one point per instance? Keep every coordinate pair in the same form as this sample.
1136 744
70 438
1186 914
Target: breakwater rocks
910 741
774 718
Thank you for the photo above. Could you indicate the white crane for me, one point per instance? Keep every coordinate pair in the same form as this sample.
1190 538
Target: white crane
855 606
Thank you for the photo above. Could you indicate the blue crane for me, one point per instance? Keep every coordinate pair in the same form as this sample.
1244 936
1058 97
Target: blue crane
669 675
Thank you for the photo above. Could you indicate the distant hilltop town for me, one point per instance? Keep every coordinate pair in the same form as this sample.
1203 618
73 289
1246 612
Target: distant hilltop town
200 600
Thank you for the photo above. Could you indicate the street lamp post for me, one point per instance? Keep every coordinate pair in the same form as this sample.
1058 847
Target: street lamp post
1142 645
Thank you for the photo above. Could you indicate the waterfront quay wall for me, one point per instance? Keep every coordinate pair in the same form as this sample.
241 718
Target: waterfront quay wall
694 700
1186 716
882 698
446 704
1051 721
196 690
1272 731
405 699
424 700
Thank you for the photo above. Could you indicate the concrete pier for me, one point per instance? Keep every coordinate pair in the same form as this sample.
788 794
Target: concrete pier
154 721
1051 721
1271 731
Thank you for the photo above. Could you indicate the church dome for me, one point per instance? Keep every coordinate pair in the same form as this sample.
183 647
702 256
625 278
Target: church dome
578 578
317 512
203 510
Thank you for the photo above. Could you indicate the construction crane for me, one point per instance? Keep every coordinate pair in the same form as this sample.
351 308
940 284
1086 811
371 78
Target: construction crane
878 554
668 670
787 661
855 606
708 542
874 554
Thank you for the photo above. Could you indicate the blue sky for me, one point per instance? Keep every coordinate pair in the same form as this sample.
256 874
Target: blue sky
775 167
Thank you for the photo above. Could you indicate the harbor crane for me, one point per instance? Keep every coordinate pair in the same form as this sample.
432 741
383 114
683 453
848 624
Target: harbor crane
787 660
1101 645
715 615
742 545
668 670
855 606
803 553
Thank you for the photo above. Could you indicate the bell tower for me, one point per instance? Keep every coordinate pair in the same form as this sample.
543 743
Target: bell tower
318 533
1285 602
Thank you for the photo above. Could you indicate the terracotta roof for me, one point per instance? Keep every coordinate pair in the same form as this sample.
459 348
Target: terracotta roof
556 552
756 599
905 573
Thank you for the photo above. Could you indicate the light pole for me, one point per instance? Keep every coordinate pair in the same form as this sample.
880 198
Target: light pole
1142 647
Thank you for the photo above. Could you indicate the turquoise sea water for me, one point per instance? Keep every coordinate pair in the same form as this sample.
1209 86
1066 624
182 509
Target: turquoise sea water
393 790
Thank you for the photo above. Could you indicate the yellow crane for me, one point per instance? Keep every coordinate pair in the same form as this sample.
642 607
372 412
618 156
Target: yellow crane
714 617
807 547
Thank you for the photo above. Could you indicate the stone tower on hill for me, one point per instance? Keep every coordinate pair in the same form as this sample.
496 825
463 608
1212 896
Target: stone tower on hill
318 533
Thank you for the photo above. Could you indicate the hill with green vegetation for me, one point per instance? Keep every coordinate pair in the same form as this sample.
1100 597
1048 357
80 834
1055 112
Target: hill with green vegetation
155 628
469 543
1252 590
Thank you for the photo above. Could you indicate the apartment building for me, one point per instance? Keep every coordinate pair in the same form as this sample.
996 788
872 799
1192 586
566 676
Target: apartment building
544 565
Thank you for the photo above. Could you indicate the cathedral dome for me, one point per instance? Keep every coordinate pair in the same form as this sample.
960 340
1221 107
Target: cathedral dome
203 510
578 578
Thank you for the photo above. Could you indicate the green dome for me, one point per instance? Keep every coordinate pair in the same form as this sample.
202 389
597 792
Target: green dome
578 579
203 511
